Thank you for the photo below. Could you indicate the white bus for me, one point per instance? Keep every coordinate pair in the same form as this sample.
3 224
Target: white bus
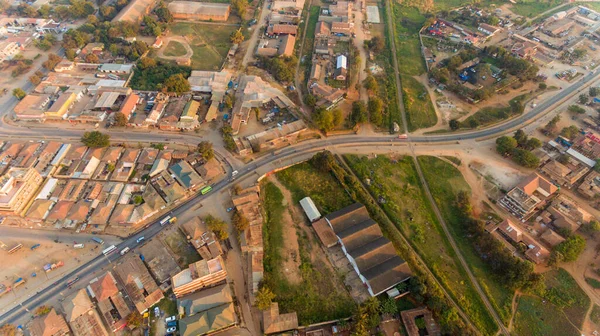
165 220
109 250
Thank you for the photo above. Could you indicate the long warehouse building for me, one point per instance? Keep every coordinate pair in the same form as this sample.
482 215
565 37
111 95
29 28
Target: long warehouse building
199 11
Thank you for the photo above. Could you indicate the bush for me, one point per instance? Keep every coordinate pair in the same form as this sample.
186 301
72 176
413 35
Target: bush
217 226
570 249
95 139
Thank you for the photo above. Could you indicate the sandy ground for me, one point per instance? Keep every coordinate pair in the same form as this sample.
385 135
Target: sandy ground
24 262
181 39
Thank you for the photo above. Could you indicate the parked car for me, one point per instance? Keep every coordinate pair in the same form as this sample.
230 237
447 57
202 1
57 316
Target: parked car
172 324
172 329
139 240
156 311
170 319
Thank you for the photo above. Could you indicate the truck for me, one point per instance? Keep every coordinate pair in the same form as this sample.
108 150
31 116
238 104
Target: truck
78 246
125 250
97 240
35 246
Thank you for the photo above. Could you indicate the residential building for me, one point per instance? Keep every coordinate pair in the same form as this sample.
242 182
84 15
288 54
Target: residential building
342 28
565 213
341 68
135 11
566 174
509 230
274 138
32 107
59 108
487 29
286 48
51 324
115 68
372 256
17 188
215 83
323 29
280 29
590 187
523 199
129 105
551 238
110 301
201 274
81 315
275 323
203 240
8 50
125 165
139 284
207 311
199 11
247 202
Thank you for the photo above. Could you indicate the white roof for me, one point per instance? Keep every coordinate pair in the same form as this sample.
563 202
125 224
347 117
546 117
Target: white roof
373 14
342 62
109 67
581 157
110 83
47 189
310 209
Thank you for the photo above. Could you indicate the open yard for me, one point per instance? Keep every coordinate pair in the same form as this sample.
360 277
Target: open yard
445 181
562 307
531 8
420 112
407 23
180 247
313 290
209 42
175 49
395 184
303 180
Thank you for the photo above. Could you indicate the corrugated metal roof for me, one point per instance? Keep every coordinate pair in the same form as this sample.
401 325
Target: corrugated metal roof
310 209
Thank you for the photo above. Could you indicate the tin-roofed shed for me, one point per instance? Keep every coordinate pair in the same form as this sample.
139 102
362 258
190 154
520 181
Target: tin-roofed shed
310 209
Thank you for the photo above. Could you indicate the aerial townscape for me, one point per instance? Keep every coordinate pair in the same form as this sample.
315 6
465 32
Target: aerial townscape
299 167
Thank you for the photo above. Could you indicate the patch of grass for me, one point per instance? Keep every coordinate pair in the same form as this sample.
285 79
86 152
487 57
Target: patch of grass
593 282
318 297
535 317
185 252
562 290
420 112
210 43
407 23
595 314
175 49
531 8
493 114
303 180
445 182
396 185
387 80
453 159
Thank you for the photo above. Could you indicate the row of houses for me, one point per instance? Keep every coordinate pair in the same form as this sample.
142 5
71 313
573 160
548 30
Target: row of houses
72 186
102 308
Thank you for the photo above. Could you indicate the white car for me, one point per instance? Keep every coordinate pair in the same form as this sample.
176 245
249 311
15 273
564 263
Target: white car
170 319
156 311
139 240
172 329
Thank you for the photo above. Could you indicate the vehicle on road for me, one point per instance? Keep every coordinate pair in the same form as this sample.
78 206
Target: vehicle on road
72 282
234 173
165 221
172 324
229 209
205 190
125 250
171 319
109 250
403 136
97 240
139 240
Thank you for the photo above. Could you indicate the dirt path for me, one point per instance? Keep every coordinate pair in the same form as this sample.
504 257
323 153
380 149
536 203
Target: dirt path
513 307
290 252
188 54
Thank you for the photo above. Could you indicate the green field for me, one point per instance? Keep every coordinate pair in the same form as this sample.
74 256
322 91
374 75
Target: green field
595 314
420 112
562 307
318 296
387 80
396 185
532 8
493 114
445 182
303 180
174 49
210 43
407 23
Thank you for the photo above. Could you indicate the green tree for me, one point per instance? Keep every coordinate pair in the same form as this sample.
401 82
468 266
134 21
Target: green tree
95 139
138 199
92 58
70 54
163 13
146 62
134 320
217 226
359 113
454 124
376 44
35 80
19 93
53 60
240 221
521 137
323 119
177 83
42 310
338 117
533 143
388 306
576 109
594 91
543 86
120 119
205 148
8 330
583 99
310 100
375 107
240 7
525 158
264 298
551 125
367 317
370 83
505 145
570 132
237 37
571 248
